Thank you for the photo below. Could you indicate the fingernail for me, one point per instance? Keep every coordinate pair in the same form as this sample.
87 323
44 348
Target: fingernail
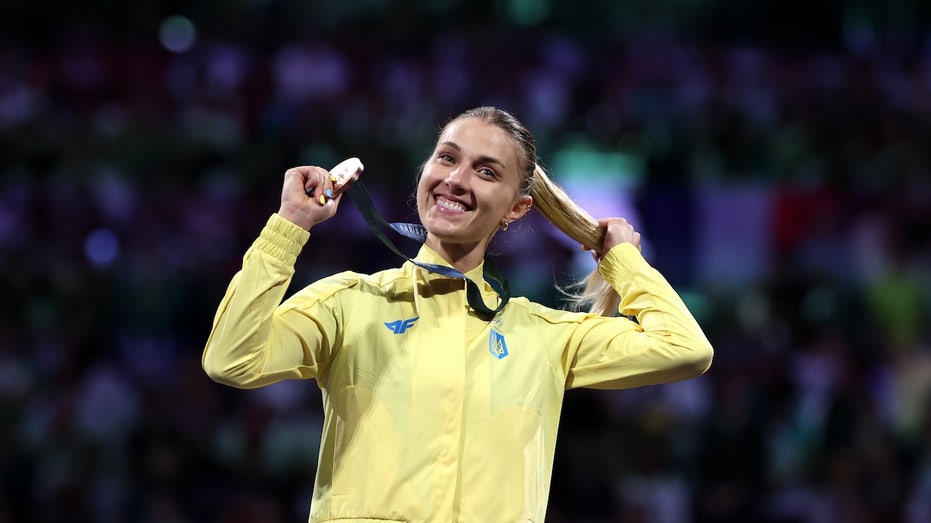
333 178
322 200
309 191
329 193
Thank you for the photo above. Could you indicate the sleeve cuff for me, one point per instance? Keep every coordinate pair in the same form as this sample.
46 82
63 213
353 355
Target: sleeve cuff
281 239
620 262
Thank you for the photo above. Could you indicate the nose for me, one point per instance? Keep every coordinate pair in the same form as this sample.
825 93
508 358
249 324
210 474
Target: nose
457 179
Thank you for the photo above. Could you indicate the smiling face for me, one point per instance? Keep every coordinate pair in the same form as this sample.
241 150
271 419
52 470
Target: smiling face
469 187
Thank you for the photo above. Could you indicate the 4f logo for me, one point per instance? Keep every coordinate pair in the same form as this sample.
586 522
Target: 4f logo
401 326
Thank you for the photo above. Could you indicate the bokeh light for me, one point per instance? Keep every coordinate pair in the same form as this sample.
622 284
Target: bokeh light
101 247
177 34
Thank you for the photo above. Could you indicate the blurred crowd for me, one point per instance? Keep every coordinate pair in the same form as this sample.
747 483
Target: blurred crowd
785 192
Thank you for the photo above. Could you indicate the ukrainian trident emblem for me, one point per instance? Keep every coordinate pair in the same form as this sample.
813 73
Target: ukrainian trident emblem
496 345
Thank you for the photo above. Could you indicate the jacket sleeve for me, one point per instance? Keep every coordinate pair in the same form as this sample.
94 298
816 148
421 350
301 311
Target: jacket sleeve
254 341
665 344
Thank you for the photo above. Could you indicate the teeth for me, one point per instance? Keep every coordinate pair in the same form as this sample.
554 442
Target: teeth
452 206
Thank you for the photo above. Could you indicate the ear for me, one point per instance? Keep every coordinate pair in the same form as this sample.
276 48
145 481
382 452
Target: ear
520 208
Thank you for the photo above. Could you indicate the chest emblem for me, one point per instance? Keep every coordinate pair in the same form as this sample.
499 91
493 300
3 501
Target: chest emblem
496 344
401 326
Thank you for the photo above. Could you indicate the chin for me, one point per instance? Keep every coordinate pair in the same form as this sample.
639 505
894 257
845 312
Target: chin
442 227
445 236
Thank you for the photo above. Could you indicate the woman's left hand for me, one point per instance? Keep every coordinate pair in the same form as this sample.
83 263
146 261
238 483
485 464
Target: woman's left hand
617 231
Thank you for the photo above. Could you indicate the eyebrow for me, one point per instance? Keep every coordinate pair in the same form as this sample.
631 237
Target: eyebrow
482 158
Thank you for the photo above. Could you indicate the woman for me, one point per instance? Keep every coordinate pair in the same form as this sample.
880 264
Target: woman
435 410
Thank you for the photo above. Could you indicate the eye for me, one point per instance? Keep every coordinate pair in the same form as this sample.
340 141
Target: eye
487 173
445 157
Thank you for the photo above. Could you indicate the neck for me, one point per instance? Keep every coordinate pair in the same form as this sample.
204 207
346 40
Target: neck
462 256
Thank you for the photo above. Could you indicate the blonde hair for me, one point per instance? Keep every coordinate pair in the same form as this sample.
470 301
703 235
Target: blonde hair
593 292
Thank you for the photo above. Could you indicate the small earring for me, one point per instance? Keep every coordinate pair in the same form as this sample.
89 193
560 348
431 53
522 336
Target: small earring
504 227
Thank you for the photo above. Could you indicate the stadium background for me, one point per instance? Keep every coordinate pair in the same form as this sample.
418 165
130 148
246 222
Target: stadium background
775 156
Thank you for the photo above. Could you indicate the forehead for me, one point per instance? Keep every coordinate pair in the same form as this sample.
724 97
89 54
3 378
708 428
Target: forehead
477 137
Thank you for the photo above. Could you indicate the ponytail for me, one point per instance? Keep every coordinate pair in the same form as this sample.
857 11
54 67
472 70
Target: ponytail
549 199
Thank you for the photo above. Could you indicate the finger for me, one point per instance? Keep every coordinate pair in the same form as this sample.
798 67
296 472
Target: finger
317 185
322 195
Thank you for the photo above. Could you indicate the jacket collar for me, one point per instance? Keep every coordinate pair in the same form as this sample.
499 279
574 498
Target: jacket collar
428 255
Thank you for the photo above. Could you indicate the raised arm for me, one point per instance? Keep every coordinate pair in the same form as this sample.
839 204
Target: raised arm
252 343
665 344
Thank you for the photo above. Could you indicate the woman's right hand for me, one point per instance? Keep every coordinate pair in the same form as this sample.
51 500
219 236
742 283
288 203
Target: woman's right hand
307 209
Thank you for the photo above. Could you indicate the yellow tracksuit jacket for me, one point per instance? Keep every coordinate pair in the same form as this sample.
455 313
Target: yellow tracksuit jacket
432 414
